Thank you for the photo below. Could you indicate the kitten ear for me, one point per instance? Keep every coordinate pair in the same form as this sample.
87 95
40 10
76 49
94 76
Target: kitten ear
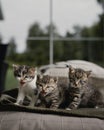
32 70
54 80
39 77
71 69
36 70
15 67
88 73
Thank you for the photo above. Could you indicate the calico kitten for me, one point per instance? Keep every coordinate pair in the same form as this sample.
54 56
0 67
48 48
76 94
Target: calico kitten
81 94
27 77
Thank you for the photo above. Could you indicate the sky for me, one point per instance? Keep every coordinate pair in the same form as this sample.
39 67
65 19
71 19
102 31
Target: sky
19 15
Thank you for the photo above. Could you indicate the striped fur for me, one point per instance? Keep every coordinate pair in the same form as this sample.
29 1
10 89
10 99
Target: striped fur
70 93
81 94
48 89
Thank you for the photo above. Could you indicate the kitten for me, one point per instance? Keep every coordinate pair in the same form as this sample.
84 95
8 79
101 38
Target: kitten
49 95
81 94
27 77
52 91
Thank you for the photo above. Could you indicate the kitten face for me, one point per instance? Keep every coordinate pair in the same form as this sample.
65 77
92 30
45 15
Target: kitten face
46 84
24 73
78 77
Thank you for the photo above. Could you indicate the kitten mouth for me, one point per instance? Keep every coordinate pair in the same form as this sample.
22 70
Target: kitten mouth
22 83
43 92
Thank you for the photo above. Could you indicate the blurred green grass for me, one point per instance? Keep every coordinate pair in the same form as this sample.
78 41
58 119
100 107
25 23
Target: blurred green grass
10 81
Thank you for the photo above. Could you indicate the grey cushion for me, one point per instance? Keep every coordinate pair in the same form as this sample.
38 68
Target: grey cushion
34 121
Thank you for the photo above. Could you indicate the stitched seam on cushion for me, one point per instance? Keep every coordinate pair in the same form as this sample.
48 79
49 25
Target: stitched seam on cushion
82 123
61 123
41 122
100 124
20 124
2 120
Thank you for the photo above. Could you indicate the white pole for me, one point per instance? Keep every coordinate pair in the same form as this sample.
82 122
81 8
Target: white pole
51 34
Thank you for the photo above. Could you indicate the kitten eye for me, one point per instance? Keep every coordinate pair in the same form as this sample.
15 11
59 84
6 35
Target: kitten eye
26 76
19 75
31 77
83 82
48 86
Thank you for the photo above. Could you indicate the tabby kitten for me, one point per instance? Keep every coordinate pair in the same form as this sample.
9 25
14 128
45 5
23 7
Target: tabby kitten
53 91
81 94
70 93
49 93
27 77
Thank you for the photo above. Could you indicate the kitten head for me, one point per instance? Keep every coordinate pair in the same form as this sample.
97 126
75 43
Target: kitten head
23 73
78 77
46 84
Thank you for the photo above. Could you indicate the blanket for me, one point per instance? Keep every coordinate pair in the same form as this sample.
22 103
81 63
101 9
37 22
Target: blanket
8 98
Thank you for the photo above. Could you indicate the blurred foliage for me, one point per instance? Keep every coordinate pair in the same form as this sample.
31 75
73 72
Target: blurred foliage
11 81
37 51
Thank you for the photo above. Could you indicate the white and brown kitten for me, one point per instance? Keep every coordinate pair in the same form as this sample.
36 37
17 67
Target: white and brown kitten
27 77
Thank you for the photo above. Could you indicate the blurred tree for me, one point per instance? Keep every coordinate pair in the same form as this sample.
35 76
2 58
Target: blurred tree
90 48
12 54
58 46
101 2
37 50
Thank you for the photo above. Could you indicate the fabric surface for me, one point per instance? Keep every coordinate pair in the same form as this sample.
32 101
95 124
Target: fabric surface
14 117
37 121
9 97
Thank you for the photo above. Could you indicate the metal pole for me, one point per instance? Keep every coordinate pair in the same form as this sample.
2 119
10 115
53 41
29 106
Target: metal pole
51 34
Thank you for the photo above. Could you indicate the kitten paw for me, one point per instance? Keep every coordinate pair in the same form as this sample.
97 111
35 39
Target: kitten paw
16 103
96 107
68 109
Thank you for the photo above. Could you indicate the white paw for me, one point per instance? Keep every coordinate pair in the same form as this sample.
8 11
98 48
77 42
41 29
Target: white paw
96 107
68 109
16 103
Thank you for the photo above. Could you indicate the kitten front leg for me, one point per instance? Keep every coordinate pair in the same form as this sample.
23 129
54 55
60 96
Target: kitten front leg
75 103
33 101
55 104
20 98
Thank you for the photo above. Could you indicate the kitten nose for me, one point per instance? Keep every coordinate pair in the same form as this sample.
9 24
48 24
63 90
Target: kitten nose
21 80
76 83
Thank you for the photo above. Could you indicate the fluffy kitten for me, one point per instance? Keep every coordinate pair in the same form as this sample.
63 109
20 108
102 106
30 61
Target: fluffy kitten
27 77
81 94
